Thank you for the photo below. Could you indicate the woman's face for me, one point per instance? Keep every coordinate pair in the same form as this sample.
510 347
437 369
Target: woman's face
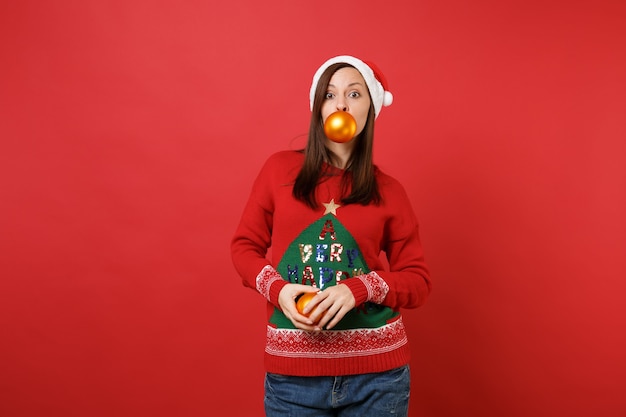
347 91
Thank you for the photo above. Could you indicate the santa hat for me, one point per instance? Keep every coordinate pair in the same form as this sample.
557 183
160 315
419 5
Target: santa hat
375 80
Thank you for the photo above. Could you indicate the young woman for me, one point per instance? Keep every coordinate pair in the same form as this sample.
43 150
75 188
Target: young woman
328 214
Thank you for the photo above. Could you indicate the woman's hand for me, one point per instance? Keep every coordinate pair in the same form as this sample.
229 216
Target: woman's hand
287 303
332 305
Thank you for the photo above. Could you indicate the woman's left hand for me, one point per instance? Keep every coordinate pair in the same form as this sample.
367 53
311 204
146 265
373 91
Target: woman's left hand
335 303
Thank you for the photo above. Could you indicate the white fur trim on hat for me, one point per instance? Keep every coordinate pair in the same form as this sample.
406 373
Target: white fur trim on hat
379 96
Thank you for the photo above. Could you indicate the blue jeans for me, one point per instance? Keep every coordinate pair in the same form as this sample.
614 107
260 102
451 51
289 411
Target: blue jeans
376 395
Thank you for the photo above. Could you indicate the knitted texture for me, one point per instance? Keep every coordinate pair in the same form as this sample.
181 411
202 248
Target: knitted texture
334 245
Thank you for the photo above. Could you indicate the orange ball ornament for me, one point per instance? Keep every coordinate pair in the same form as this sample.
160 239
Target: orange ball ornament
302 302
340 127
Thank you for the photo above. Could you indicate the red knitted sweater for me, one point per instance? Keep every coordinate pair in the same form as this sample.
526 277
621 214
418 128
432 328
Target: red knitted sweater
335 245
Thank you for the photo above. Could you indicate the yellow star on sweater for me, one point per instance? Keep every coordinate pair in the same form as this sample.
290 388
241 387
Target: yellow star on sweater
331 207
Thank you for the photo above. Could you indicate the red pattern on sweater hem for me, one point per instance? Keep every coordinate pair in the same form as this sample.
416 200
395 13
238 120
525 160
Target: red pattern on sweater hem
335 343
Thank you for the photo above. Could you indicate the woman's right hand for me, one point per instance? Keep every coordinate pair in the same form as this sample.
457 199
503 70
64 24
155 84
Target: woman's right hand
287 303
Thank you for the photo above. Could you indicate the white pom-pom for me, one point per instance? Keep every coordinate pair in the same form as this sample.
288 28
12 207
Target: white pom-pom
387 98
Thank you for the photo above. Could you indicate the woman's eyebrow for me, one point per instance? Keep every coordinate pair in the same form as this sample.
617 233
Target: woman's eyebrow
349 85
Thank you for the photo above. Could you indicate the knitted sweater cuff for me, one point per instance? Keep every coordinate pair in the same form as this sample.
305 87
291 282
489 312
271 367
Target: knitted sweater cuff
368 287
275 289
269 283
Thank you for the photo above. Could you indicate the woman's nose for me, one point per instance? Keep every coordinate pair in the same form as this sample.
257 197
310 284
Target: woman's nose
341 103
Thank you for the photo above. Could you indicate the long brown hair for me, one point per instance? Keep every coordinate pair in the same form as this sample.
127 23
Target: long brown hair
359 176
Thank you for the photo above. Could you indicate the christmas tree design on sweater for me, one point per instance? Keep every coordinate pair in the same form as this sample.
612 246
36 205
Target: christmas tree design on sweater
323 255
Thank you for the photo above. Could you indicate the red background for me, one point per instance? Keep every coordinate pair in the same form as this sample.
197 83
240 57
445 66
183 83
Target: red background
131 132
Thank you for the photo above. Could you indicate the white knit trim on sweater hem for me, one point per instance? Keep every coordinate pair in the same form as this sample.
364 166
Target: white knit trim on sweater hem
294 343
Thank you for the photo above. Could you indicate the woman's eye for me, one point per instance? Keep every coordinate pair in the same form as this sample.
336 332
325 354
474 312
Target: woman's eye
329 96
354 94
